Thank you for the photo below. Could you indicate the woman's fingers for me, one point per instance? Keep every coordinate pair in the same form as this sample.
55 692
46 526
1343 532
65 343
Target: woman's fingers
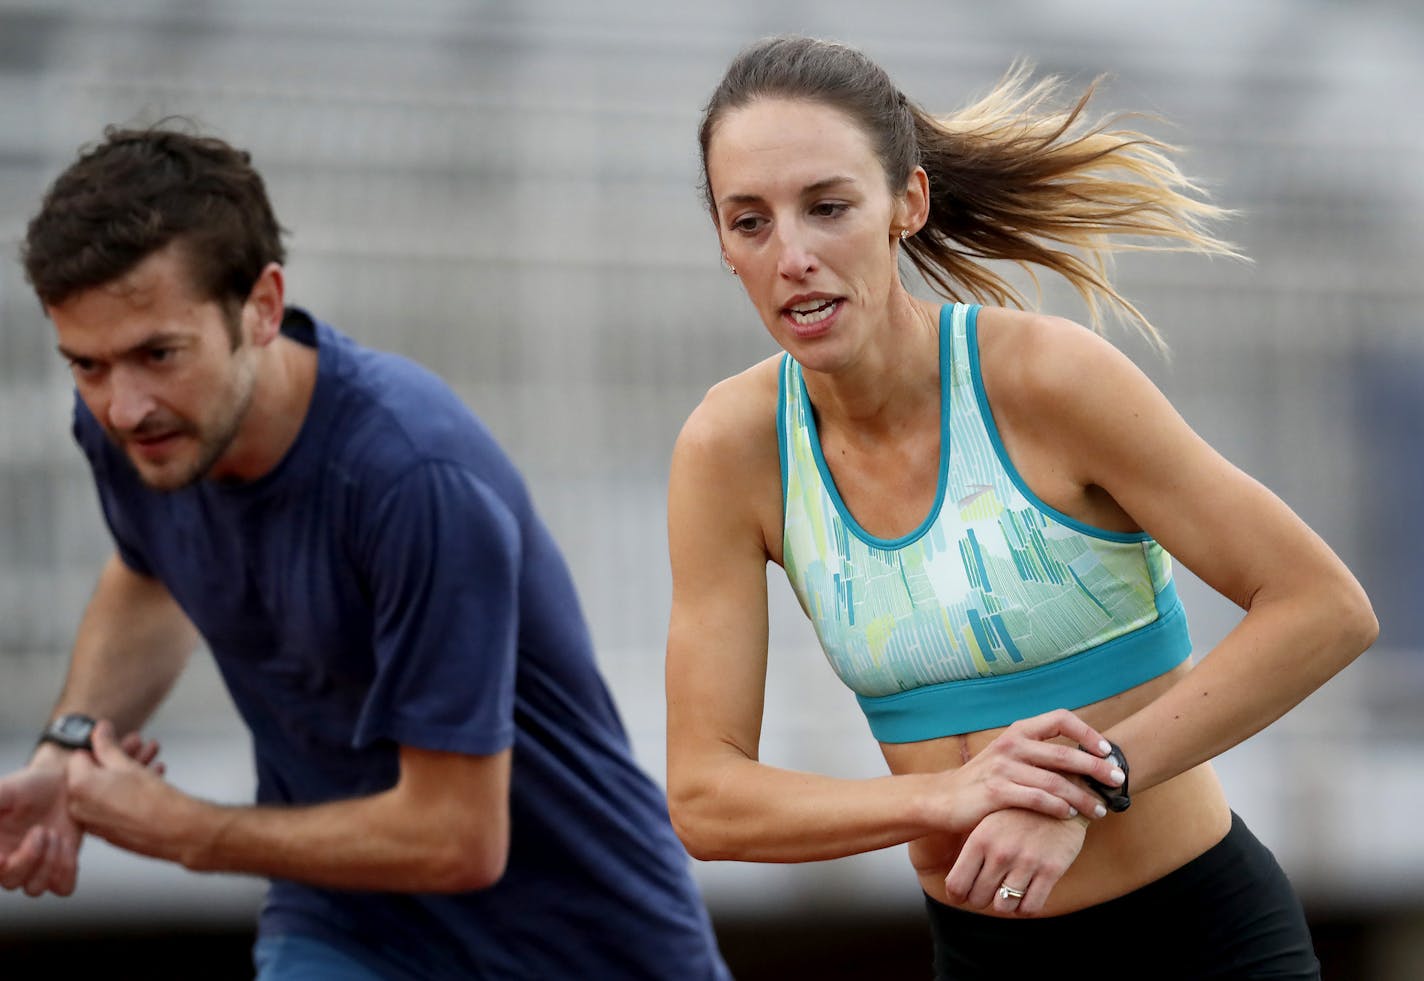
1036 895
1023 746
977 885
1012 891
1067 759
1019 781
1062 801
1013 852
1061 722
1051 793
959 883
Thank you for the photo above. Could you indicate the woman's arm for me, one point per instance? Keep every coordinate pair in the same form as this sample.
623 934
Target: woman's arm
1306 615
1096 439
726 803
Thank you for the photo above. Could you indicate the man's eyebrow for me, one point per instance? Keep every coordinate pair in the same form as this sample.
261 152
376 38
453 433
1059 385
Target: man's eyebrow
152 340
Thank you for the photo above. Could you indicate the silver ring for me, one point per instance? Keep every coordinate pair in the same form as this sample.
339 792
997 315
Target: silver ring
1008 892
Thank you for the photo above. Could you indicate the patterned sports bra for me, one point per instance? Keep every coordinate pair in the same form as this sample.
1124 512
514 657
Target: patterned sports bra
997 607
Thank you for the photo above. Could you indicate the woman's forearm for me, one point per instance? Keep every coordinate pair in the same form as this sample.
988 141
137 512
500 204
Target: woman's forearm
1281 652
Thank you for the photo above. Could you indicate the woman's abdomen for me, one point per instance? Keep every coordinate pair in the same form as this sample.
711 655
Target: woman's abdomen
1167 825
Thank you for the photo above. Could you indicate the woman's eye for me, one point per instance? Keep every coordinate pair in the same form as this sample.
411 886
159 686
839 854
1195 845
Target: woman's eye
749 224
829 209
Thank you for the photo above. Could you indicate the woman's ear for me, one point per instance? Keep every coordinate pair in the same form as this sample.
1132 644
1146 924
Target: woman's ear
912 208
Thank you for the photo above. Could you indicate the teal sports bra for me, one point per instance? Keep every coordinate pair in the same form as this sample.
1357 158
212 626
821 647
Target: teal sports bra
997 607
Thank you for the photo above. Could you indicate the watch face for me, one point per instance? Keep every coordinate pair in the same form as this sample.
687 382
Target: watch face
74 727
72 730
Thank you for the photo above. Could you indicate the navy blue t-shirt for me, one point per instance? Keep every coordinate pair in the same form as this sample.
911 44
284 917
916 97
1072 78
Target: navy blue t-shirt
389 584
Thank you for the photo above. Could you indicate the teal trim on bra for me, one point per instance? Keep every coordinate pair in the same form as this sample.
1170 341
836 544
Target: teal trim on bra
992 429
829 482
976 704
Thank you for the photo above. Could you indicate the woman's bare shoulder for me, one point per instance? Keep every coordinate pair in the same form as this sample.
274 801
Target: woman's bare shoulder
736 419
1037 363
725 481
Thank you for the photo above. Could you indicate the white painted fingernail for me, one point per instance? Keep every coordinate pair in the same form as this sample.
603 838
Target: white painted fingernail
1100 811
1104 747
1117 776
1072 811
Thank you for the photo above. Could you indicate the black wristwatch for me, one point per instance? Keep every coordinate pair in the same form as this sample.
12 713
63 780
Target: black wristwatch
1116 798
72 731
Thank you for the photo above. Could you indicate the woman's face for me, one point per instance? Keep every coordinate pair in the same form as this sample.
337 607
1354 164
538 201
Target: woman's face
807 221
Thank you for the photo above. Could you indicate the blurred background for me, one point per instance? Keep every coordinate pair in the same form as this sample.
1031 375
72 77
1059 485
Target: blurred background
507 191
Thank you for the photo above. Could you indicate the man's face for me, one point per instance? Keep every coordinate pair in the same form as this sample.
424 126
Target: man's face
155 365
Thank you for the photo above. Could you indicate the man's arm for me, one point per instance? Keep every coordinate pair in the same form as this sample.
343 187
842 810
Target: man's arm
440 553
443 827
132 644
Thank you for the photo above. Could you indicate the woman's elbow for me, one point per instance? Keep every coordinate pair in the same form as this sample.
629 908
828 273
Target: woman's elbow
1348 619
1360 623
695 827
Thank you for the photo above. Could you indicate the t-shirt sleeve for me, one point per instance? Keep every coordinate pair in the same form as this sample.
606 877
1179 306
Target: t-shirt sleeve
110 480
442 556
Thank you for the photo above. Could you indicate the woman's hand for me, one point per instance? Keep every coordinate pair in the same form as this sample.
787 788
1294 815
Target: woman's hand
1018 849
1023 768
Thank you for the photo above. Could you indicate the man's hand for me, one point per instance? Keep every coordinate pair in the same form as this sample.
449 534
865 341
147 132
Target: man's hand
39 842
1024 850
118 793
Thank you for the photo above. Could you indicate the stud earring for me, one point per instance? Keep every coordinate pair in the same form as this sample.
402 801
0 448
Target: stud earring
730 268
903 233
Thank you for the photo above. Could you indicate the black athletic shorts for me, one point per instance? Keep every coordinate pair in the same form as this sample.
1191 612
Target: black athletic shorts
1229 913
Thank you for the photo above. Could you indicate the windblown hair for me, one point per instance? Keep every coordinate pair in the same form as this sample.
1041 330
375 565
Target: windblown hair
1018 175
140 190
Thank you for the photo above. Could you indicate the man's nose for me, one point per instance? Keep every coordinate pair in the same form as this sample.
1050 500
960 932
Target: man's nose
130 401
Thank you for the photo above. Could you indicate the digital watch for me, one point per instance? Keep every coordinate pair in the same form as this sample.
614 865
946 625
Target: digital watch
1116 798
72 731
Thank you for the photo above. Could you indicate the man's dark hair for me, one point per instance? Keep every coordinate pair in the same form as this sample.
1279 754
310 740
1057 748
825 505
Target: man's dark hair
140 190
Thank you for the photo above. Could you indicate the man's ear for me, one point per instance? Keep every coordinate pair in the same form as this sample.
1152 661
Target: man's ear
265 304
